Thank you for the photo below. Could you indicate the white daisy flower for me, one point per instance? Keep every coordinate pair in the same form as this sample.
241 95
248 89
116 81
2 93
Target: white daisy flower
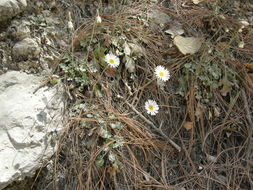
151 107
162 73
112 60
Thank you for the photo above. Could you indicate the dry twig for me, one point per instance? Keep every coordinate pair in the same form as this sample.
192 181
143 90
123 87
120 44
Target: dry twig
158 130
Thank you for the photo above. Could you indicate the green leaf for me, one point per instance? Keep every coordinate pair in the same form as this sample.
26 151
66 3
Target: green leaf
105 133
112 157
117 125
99 162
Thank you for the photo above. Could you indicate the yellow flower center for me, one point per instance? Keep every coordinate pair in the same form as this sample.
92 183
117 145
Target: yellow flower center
161 74
111 61
150 107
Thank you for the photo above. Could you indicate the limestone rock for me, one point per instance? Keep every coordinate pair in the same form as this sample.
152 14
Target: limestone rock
19 30
25 49
10 8
28 123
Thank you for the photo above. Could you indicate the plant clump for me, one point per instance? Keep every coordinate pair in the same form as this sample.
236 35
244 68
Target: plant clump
159 105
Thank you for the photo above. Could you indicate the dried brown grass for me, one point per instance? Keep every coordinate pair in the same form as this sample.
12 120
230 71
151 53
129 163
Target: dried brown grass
216 152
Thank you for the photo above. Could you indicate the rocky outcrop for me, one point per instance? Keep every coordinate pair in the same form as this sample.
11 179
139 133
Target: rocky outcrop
10 8
25 49
28 122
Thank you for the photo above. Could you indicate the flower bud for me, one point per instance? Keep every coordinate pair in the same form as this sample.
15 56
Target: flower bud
98 19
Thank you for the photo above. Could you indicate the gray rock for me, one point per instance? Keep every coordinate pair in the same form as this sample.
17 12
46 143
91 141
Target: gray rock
25 49
3 36
50 19
19 30
22 32
3 58
28 123
158 17
10 8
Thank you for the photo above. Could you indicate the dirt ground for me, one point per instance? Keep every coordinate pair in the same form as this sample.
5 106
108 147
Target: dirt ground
201 137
